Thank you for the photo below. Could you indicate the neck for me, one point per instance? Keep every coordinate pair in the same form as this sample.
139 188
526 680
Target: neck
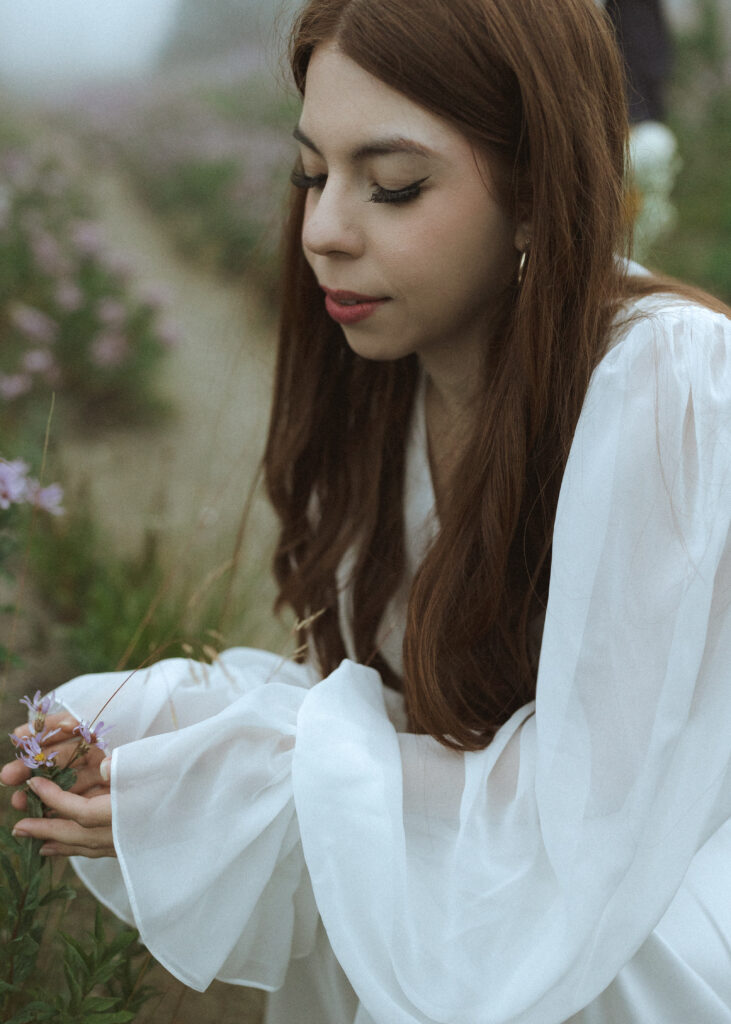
453 381
449 415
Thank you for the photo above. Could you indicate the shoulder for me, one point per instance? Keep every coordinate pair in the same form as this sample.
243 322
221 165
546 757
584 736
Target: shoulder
667 336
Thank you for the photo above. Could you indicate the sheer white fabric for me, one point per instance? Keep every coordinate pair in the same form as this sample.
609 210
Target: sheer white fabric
285 835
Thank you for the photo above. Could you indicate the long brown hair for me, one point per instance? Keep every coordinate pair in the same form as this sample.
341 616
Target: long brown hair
536 85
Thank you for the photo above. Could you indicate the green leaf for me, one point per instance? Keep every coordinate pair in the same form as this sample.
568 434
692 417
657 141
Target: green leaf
121 1017
123 940
11 875
34 1012
75 990
99 1004
61 892
63 777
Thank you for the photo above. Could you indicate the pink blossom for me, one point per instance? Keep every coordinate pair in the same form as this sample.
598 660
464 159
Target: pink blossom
32 753
48 254
117 264
109 349
5 206
38 360
36 326
87 237
14 385
91 736
38 708
19 168
13 483
111 312
69 296
168 334
47 499
154 296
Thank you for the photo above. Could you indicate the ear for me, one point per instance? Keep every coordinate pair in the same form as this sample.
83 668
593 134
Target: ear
523 233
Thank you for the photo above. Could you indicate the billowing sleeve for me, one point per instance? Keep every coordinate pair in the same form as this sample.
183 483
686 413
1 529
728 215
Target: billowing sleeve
209 864
512 884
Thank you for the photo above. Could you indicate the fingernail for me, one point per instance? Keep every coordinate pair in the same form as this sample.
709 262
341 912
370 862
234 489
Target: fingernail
18 833
47 851
33 784
68 722
105 767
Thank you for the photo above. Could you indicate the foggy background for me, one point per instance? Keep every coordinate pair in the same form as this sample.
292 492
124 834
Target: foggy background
47 42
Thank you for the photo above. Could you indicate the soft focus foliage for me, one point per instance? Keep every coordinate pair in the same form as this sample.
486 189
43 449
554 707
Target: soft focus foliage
99 980
68 320
218 169
20 496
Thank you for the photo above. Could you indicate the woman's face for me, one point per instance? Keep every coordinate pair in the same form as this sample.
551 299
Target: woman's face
402 226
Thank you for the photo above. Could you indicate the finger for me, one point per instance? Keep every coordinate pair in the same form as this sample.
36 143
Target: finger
65 832
87 778
60 720
14 773
61 850
90 813
19 800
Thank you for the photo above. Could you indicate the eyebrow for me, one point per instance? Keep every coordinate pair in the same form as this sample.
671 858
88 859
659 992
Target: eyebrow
377 147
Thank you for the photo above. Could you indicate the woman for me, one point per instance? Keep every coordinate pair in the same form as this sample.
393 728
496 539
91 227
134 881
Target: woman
510 801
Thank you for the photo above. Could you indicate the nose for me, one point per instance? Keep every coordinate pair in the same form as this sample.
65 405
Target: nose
330 226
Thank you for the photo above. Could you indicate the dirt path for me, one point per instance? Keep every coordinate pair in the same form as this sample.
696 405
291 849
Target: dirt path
187 480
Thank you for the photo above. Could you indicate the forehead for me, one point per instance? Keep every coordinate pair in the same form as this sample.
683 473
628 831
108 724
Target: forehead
345 107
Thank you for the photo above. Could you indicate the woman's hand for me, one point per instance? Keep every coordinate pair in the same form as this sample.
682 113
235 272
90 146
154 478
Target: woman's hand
81 825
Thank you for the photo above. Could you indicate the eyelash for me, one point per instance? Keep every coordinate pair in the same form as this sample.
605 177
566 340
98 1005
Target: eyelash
379 194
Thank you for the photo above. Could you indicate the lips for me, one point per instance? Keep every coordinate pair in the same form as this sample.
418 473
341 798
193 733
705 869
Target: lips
351 307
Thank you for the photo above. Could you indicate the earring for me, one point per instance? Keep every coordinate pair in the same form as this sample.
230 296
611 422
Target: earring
521 266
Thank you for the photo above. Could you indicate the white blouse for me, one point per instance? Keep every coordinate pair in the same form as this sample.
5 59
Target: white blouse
293 837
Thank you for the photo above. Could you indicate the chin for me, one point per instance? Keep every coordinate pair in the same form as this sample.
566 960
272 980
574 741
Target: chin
378 349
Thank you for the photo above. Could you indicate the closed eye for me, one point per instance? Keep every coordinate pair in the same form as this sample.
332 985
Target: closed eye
378 195
397 195
302 180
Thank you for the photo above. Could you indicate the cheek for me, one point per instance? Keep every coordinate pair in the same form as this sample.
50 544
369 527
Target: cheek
457 251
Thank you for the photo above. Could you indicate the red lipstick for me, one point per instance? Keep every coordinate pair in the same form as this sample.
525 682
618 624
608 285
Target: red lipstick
350 307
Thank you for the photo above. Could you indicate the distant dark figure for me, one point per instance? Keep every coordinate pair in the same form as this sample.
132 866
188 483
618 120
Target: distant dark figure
644 37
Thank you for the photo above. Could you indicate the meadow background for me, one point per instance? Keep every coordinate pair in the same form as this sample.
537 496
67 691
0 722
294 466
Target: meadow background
139 228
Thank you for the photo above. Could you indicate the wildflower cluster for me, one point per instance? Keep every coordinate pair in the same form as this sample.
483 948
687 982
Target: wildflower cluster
68 319
18 488
101 981
218 171
33 750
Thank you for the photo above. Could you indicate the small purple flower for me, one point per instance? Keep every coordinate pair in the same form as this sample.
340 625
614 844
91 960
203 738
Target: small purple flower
93 736
37 360
33 323
38 708
111 312
14 385
5 206
168 334
32 753
48 499
109 350
38 705
47 253
87 237
155 297
69 296
13 483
